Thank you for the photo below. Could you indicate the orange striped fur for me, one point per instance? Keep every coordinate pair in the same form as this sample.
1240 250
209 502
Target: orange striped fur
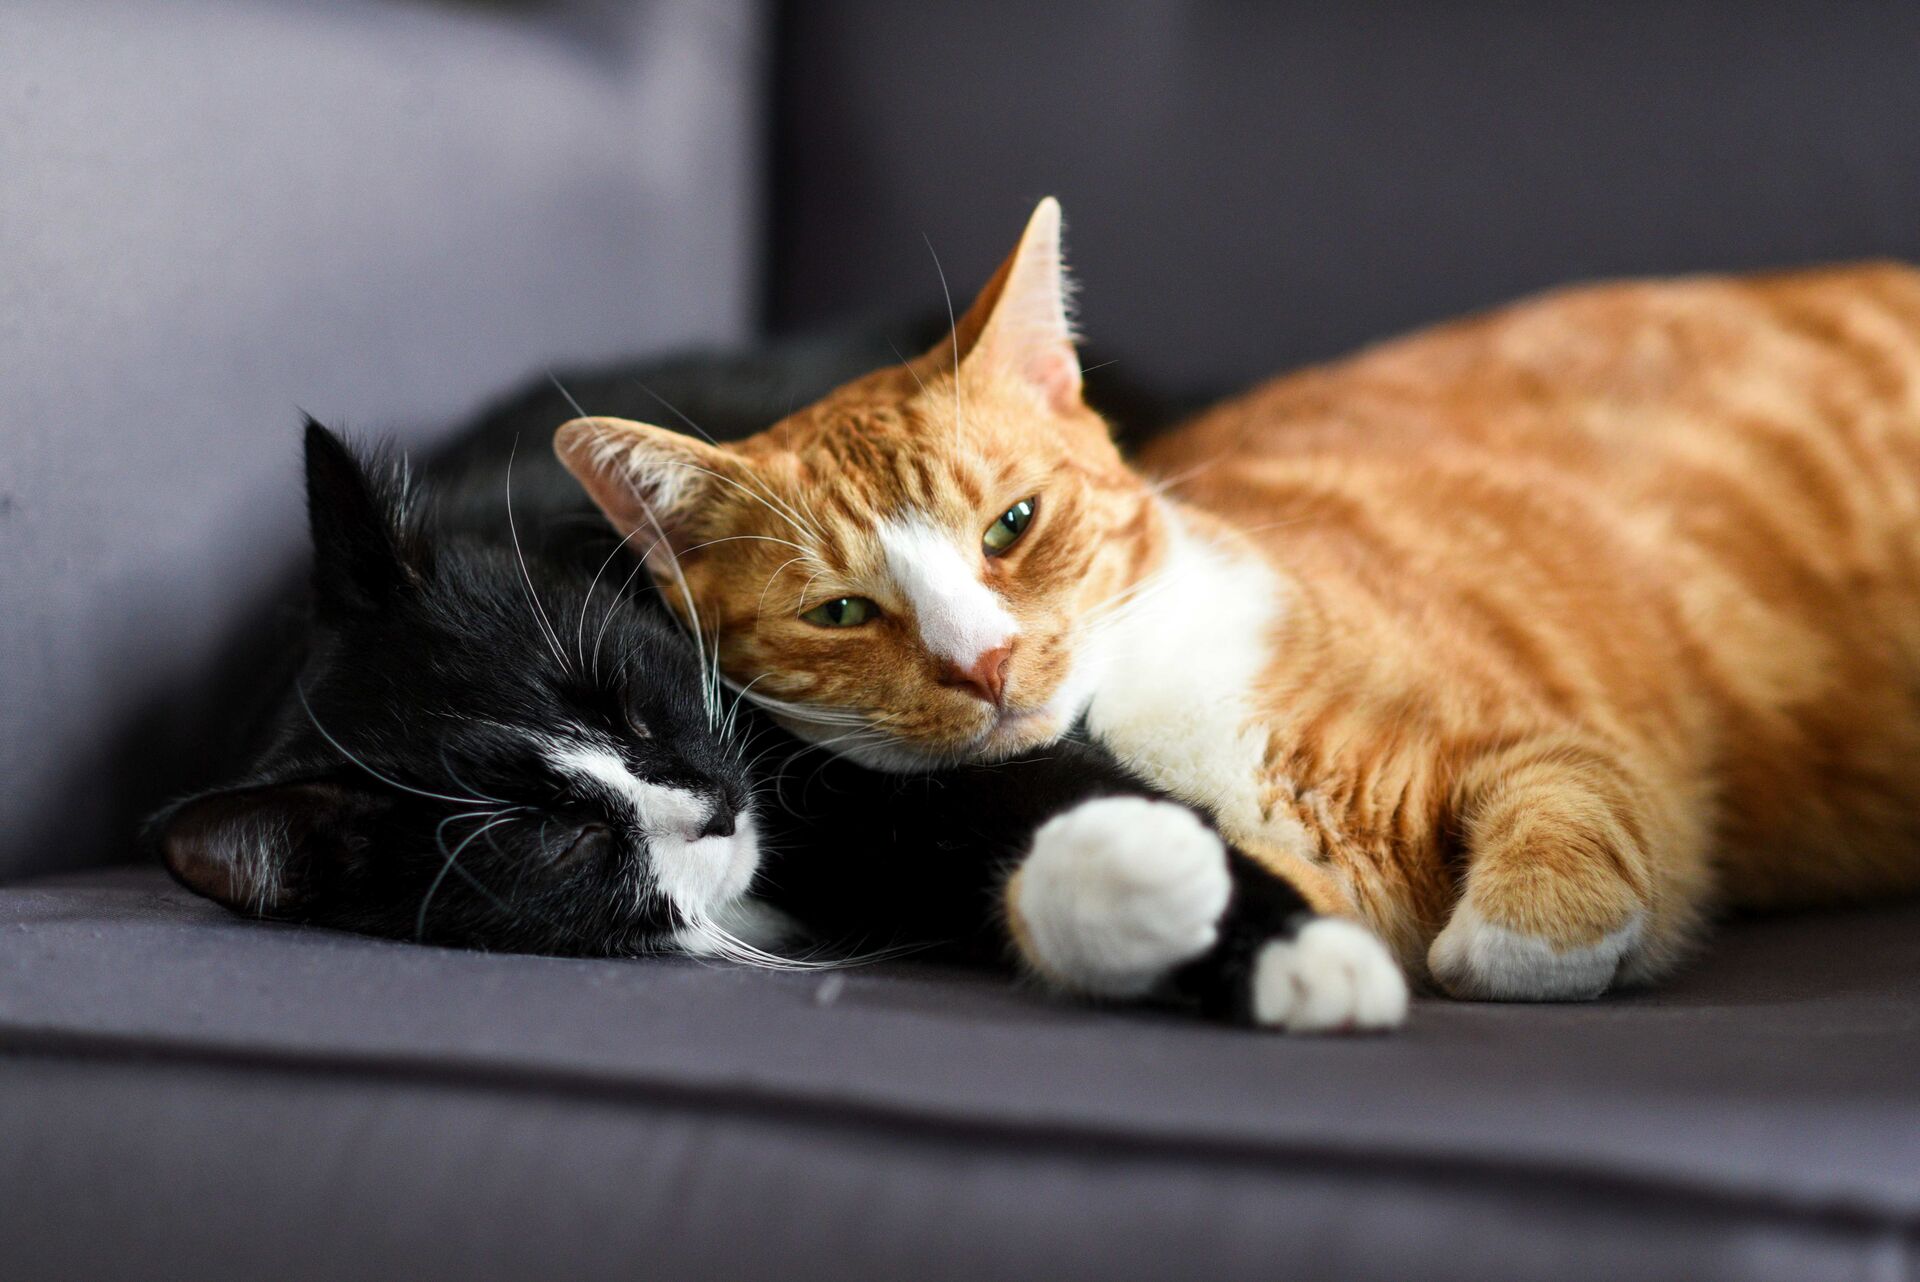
1546 631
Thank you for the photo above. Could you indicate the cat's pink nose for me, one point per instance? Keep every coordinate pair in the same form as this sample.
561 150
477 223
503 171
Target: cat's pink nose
986 678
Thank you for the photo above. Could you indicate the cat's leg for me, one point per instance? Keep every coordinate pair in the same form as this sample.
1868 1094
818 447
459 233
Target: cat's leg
1583 872
1131 897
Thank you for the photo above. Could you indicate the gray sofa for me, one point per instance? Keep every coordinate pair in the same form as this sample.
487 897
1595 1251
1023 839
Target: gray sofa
214 212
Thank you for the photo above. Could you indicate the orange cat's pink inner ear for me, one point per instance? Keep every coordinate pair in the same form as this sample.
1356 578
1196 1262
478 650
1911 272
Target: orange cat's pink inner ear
1018 328
639 475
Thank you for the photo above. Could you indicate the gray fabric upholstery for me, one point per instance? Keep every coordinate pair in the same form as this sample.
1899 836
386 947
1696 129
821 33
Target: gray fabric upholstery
1250 186
214 211
219 212
182 1085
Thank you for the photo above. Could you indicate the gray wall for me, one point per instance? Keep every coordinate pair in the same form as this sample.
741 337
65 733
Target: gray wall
1251 185
215 211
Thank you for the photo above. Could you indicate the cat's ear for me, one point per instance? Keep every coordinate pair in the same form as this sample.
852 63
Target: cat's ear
256 848
1018 329
646 479
357 559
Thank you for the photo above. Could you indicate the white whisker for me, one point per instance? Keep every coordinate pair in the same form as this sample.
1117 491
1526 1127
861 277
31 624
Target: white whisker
526 577
340 748
717 941
420 922
580 624
953 327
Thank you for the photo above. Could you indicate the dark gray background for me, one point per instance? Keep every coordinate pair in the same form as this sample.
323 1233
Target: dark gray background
1251 185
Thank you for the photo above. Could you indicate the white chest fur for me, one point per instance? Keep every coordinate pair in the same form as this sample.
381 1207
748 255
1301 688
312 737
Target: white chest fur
1173 671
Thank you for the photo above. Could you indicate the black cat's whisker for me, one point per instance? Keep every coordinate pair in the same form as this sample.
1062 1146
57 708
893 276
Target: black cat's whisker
619 599
733 713
580 624
665 546
561 388
761 756
447 765
579 638
710 690
526 577
420 921
505 908
719 942
300 692
502 905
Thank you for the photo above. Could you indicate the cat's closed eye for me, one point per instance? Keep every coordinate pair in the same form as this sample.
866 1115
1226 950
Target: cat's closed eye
592 844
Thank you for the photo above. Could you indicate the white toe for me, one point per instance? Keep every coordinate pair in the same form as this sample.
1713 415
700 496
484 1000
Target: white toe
1119 892
1332 976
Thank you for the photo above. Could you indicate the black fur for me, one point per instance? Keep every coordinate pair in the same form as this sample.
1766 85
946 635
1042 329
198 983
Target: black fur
462 622
437 667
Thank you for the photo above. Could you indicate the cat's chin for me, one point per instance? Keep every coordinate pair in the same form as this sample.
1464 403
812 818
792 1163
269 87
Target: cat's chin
1017 732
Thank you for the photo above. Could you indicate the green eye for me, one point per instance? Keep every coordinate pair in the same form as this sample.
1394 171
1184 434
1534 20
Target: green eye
1006 531
845 612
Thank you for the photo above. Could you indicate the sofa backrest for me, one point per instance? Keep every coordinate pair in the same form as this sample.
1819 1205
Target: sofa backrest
1249 186
217 213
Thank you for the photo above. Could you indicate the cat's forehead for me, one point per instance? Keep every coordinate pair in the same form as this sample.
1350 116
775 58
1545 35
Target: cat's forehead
862 461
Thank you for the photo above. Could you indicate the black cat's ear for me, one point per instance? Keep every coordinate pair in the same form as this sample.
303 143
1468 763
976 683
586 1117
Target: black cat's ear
256 849
358 562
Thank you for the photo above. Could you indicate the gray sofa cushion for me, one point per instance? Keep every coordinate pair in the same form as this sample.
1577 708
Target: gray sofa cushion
180 1085
217 213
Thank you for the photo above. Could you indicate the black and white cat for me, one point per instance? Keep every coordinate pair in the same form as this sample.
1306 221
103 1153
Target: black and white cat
497 740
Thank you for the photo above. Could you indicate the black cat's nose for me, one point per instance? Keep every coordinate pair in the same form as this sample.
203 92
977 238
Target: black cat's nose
720 822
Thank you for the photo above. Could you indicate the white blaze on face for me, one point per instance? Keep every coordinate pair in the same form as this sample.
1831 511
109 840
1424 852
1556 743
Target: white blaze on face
659 811
699 874
960 617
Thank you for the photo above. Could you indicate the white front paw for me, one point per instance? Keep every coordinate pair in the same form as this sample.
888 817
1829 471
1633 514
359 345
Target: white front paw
1333 976
1118 893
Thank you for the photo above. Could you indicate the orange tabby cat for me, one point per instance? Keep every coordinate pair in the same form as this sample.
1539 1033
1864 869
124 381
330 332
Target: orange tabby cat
1526 640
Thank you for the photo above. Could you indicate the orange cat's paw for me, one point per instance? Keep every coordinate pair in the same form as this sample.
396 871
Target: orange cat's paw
1482 960
1118 894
